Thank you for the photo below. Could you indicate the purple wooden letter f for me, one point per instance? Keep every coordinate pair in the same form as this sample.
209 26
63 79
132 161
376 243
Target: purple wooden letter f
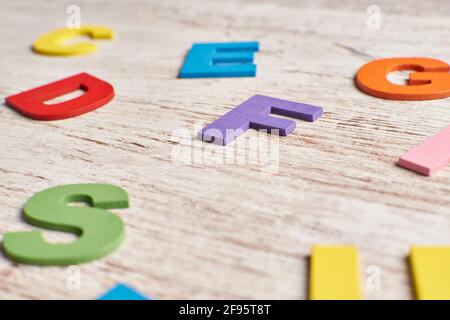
255 113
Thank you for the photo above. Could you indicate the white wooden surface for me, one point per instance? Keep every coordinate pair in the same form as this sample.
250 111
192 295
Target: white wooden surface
228 231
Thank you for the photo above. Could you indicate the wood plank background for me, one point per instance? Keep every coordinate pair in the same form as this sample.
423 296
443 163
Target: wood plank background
205 230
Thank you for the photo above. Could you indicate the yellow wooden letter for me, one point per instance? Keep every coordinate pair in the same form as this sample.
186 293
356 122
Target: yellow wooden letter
334 273
431 272
55 42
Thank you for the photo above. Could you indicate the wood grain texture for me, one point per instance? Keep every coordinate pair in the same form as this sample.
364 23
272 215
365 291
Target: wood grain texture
207 230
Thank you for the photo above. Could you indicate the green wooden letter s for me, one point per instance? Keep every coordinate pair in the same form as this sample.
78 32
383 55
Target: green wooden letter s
100 231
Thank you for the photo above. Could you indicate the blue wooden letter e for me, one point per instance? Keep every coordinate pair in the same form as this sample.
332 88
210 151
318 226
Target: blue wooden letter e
217 60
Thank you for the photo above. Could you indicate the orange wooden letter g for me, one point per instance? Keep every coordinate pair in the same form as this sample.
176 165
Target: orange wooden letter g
431 81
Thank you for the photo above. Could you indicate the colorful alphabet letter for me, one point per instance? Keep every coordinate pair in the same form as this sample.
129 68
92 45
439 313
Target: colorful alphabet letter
100 231
430 156
217 60
255 113
334 273
55 43
430 269
123 292
431 81
31 103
